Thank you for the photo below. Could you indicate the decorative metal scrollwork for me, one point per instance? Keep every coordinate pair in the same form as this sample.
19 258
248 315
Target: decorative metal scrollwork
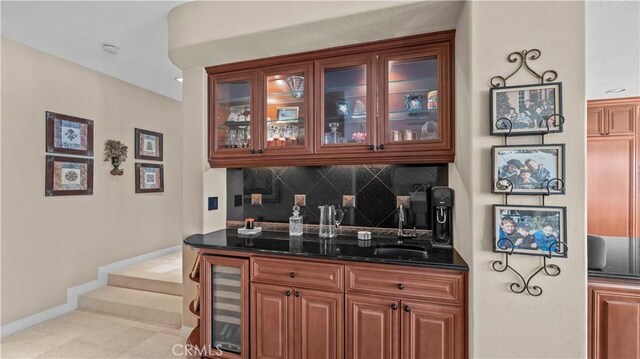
522 58
523 284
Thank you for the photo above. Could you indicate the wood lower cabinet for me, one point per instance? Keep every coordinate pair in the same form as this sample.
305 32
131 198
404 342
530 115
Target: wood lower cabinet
319 322
298 309
373 327
614 319
432 331
271 321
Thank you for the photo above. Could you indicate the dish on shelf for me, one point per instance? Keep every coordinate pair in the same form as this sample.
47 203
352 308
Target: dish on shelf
429 131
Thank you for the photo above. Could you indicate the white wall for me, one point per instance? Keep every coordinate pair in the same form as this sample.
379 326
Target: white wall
504 324
52 243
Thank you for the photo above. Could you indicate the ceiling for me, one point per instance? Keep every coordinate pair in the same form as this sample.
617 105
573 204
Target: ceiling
76 31
613 48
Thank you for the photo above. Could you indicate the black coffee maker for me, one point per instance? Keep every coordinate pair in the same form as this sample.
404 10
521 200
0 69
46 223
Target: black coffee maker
441 212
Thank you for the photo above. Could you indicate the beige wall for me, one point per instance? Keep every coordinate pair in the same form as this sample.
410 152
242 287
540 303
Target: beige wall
504 324
51 244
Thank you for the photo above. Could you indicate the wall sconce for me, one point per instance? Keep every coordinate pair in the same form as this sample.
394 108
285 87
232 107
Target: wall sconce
116 152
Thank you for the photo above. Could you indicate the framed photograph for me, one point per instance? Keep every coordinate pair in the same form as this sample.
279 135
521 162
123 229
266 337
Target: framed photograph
68 135
528 169
532 230
523 110
148 145
287 113
413 103
68 176
149 178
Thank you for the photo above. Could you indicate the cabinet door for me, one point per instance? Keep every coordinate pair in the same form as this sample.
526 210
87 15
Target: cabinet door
432 331
615 321
373 327
415 102
319 318
346 108
232 114
287 102
610 185
225 307
595 121
621 119
271 321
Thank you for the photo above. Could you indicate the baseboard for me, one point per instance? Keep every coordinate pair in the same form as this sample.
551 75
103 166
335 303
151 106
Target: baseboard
74 292
186 331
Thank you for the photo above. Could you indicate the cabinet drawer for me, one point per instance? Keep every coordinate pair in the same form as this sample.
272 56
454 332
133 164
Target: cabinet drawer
298 273
435 285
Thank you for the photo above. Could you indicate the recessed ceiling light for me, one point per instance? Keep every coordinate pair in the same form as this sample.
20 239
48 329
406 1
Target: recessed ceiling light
111 49
620 89
179 79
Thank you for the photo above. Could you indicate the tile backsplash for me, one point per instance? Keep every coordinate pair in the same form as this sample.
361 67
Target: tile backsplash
368 193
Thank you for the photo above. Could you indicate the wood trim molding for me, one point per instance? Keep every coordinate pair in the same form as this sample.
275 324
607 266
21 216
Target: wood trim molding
613 101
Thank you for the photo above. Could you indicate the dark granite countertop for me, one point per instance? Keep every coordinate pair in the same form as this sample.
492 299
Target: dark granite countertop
622 259
311 246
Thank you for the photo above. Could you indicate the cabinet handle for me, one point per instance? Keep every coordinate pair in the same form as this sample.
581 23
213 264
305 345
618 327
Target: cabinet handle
372 147
407 308
292 274
298 294
394 306
401 286
381 146
253 152
260 151
287 293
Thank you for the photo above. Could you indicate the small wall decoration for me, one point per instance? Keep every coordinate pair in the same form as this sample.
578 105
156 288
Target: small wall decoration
149 178
116 152
148 145
532 230
287 113
67 176
68 135
528 169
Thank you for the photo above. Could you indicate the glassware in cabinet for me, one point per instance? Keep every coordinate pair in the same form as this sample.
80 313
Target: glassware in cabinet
345 113
287 110
233 112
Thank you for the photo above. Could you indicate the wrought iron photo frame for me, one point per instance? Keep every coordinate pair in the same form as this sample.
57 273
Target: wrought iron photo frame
553 185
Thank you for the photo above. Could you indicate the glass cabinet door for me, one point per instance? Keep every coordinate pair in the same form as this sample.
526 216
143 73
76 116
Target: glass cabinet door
346 111
287 107
232 112
226 306
414 99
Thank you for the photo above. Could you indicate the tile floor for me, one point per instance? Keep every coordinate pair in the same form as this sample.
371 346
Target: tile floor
80 334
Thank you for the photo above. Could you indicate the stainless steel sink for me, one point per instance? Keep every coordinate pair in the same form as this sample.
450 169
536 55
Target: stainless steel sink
404 251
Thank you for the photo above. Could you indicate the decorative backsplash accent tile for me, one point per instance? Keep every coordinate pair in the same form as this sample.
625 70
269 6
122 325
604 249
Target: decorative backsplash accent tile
403 201
348 201
374 190
300 200
256 198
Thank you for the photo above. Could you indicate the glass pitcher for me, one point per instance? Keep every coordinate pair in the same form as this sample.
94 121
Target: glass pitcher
330 218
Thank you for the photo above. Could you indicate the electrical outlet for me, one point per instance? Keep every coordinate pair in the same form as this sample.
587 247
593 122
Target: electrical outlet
256 198
212 203
300 200
348 201
402 200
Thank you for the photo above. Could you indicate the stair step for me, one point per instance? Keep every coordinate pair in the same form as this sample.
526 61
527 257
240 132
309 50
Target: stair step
147 284
134 304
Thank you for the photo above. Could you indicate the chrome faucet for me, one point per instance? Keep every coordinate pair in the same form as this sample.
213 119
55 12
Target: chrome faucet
401 232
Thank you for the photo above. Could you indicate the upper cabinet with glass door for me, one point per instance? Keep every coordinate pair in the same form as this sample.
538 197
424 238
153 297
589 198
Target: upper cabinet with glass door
345 111
232 99
287 110
415 102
